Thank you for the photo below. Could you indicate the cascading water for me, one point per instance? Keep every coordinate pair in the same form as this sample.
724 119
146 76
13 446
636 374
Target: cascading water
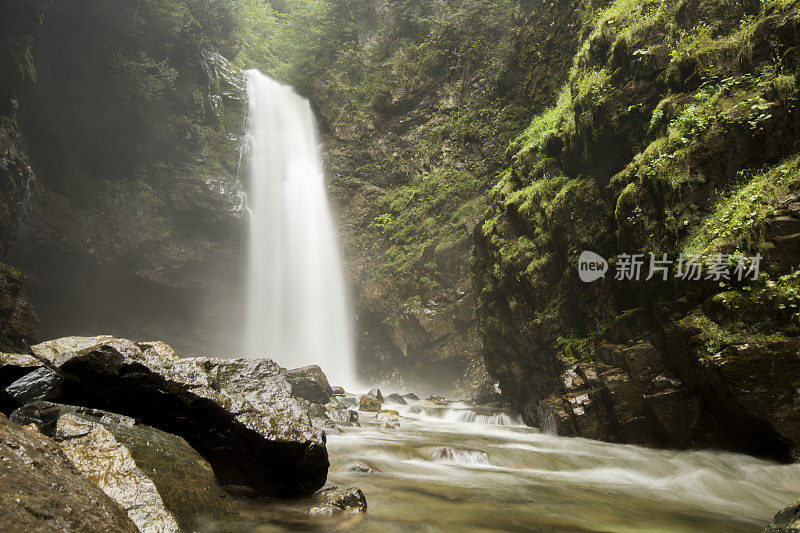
297 311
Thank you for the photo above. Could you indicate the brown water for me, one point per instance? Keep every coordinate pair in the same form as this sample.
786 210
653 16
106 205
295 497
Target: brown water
503 476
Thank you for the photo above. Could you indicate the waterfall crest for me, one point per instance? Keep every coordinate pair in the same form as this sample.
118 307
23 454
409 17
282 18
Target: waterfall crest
297 312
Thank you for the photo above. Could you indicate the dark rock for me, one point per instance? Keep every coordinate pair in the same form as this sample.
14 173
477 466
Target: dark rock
396 398
362 467
369 403
40 489
410 396
341 415
12 367
226 409
376 393
787 520
333 500
310 383
41 384
337 391
18 321
161 482
347 401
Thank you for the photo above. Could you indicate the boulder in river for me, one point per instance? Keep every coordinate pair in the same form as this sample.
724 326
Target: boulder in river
376 393
787 520
337 391
461 456
410 396
369 403
310 384
40 489
333 501
396 398
239 414
388 415
438 400
162 483
362 467
341 415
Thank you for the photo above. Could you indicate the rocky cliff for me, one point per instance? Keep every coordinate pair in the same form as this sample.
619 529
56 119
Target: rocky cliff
675 133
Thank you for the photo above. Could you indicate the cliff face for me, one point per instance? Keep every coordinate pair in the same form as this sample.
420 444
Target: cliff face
129 121
675 133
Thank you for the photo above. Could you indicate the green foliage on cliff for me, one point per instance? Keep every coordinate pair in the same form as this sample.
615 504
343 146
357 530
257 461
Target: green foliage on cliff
676 133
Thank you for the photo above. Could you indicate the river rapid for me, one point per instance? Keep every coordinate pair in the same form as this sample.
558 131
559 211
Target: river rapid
461 468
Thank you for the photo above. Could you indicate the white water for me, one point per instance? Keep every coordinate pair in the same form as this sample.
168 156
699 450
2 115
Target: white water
297 312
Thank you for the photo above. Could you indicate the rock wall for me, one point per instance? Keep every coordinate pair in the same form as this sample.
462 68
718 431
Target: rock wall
674 133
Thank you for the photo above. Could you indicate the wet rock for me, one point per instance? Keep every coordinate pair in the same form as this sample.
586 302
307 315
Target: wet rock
396 398
387 425
438 400
18 321
410 396
461 456
388 415
369 404
787 520
226 409
162 483
347 401
333 501
376 393
41 384
310 383
12 367
40 489
341 415
337 391
362 467
49 350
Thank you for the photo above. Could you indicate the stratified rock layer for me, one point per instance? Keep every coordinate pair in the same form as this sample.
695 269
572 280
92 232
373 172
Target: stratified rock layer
162 483
40 489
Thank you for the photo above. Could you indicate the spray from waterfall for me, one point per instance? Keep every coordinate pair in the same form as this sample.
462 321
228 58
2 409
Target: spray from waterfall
297 311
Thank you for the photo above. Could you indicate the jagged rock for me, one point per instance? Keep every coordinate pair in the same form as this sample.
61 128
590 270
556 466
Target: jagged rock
362 467
40 489
49 350
162 483
787 520
410 396
226 409
347 401
310 383
337 391
388 415
12 367
387 425
376 393
18 321
369 403
396 398
438 400
41 384
333 500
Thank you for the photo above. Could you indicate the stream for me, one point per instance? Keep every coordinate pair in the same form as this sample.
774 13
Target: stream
500 475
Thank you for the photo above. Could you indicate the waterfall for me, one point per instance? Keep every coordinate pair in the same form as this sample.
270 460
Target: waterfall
297 312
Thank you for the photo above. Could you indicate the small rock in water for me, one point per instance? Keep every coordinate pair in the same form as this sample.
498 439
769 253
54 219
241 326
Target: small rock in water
362 467
396 398
416 410
461 456
787 520
333 501
369 404
376 393
387 425
337 391
410 396
438 400
388 415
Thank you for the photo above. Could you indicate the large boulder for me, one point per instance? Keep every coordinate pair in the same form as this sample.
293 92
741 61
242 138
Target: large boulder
310 384
369 403
161 482
239 414
40 489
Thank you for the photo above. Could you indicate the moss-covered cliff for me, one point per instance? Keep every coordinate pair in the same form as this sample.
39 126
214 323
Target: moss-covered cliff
674 133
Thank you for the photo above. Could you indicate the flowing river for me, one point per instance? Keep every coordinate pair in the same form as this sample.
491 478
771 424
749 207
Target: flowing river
500 475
